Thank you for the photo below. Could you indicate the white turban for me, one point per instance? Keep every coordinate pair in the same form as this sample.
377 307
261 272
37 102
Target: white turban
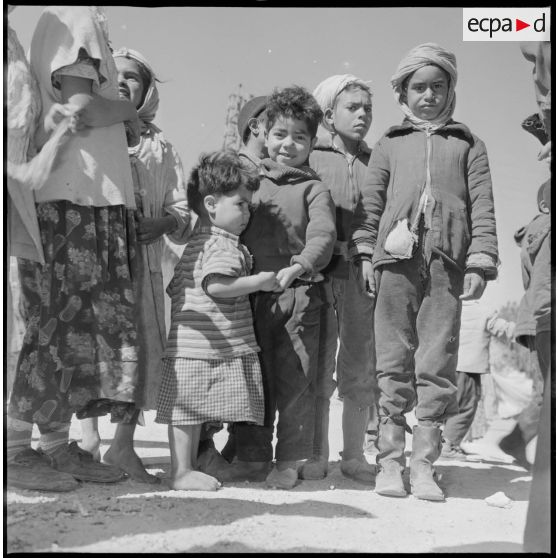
418 57
327 91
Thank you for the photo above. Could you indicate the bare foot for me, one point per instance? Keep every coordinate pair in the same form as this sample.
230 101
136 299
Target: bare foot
128 460
194 480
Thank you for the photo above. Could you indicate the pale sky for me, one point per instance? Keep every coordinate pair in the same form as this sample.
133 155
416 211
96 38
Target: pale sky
203 54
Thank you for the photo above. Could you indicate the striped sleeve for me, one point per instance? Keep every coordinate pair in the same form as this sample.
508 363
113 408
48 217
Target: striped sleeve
222 259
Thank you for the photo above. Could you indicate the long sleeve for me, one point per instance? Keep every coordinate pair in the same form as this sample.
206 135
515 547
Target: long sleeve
483 219
371 203
175 202
320 232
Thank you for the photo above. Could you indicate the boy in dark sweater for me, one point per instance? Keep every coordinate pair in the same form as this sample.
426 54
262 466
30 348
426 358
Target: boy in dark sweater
291 232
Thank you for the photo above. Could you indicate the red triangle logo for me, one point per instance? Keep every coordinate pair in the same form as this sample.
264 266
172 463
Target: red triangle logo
519 25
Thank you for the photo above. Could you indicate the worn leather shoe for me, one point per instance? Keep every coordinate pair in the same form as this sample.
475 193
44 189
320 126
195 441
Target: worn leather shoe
31 470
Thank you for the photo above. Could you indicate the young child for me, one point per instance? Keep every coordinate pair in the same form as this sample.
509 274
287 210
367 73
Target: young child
162 209
251 128
211 370
340 158
292 233
425 239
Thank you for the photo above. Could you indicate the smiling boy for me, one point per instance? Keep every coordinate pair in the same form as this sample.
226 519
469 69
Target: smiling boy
292 233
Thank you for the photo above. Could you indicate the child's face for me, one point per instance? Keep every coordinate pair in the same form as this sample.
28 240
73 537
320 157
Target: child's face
289 141
427 92
230 211
352 115
130 83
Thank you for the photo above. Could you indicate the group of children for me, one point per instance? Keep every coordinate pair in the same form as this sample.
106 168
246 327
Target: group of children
351 244
312 256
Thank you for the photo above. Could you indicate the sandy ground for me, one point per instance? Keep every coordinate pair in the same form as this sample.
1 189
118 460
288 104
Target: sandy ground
332 515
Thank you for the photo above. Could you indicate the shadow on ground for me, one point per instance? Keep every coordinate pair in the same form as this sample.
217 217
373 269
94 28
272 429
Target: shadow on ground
81 518
234 546
477 484
497 547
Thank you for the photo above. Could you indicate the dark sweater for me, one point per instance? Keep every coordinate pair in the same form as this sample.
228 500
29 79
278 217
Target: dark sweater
293 220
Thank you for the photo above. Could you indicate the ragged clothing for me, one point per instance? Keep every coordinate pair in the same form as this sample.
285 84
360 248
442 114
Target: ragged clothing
460 222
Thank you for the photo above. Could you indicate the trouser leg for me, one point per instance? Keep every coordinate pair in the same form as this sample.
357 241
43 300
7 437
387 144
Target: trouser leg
468 396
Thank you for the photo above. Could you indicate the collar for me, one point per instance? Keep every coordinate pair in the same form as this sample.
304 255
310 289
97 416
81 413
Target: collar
325 143
218 231
250 156
452 127
277 172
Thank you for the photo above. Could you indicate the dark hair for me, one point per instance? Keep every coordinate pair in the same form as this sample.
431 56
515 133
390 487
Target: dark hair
218 173
294 102
405 82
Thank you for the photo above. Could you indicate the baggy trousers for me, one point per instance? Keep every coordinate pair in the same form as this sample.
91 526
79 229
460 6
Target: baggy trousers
287 327
416 323
347 316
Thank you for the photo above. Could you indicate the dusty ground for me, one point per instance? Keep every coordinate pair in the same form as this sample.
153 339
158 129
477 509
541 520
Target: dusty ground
332 515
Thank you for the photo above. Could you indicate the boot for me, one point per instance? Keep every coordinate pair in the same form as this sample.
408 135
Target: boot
353 463
316 467
427 446
391 460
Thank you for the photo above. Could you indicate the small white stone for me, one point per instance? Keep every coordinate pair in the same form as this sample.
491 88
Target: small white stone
332 487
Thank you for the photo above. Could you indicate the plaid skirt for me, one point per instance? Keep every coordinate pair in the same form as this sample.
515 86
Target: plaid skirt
196 391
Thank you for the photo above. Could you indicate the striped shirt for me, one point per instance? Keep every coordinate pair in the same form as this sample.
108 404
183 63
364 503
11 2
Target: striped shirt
205 327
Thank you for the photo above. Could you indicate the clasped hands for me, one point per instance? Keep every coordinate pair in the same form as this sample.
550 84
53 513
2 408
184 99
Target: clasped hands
278 282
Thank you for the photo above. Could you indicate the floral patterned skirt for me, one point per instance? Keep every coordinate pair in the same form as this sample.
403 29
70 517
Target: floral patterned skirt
80 344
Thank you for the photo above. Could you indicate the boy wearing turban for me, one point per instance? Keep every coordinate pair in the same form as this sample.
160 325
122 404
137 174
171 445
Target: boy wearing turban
424 237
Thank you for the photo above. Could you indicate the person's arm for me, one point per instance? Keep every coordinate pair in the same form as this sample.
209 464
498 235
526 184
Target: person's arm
175 200
223 286
320 232
482 256
150 229
366 219
95 111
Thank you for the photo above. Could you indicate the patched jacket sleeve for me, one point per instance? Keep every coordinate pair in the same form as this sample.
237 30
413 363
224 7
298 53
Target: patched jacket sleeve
369 209
483 219
175 202
320 232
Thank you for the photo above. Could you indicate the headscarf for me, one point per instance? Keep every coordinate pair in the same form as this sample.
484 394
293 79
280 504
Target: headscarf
148 109
418 57
327 91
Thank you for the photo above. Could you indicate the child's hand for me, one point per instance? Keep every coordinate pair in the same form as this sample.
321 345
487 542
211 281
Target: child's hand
473 285
268 281
287 275
148 229
365 276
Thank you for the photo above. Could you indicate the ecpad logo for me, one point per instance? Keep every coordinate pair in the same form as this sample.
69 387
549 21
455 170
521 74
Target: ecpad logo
506 24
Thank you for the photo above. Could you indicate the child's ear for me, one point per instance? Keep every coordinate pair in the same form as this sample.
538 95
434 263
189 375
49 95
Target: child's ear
209 204
328 116
313 143
253 126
